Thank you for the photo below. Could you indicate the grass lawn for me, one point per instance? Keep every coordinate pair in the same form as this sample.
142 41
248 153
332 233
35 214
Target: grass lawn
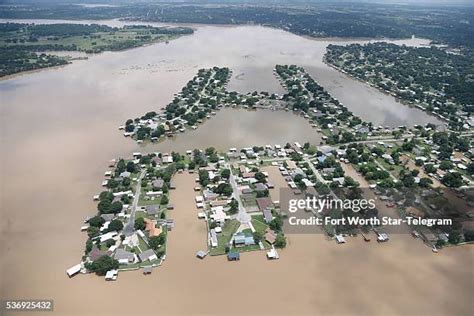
230 227
258 224
142 244
393 169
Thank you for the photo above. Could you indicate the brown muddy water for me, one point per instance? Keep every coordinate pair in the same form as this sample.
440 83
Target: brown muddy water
59 129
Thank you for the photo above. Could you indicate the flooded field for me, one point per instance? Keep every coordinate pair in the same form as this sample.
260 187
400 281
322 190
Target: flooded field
59 130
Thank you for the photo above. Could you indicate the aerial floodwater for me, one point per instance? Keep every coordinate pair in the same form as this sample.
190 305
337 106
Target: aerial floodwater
59 129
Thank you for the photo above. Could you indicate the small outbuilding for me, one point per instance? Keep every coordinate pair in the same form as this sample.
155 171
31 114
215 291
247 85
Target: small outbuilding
233 256
201 254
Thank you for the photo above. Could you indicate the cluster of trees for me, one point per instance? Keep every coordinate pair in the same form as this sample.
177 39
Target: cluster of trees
107 205
413 73
22 44
305 93
102 265
13 61
276 224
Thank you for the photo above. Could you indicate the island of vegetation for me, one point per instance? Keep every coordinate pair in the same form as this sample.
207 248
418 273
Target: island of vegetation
438 80
25 47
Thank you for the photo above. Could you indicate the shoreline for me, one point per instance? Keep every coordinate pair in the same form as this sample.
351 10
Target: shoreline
388 93
87 55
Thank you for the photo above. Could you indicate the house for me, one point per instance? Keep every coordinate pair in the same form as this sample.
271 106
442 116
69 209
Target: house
150 227
264 203
267 215
219 203
158 184
213 238
233 256
242 239
270 236
152 209
321 159
210 196
291 165
260 187
125 174
339 180
296 172
247 191
328 171
124 257
218 214
107 236
147 255
107 217
167 159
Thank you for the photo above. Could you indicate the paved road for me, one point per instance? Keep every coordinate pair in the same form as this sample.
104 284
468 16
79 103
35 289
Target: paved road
129 229
242 216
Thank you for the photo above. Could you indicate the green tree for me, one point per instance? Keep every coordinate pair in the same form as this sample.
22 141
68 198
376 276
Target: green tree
260 177
116 207
139 223
454 237
257 236
115 225
234 206
102 265
156 241
104 206
276 223
93 231
452 179
469 235
280 241
131 167
89 245
225 173
96 221
224 189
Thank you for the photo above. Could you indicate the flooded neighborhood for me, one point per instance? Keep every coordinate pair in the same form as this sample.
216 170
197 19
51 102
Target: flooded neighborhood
59 132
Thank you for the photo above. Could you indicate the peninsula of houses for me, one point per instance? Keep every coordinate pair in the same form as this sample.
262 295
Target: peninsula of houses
420 172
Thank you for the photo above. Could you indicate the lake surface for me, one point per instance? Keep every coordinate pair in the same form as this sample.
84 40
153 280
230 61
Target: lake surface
242 128
58 130
252 53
